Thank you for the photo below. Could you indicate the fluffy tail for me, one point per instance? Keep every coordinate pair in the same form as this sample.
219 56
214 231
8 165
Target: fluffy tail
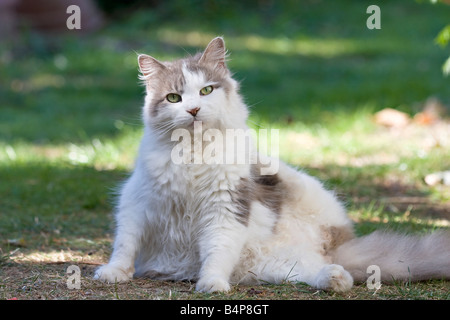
399 257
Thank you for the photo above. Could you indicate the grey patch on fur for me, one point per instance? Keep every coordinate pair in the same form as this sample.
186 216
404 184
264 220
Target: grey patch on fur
218 76
266 189
169 79
334 236
163 78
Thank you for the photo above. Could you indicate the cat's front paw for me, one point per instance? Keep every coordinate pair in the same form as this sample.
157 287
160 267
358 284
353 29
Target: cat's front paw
212 284
113 274
334 277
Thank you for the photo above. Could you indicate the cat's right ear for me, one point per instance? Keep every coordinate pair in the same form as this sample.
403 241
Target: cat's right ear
149 66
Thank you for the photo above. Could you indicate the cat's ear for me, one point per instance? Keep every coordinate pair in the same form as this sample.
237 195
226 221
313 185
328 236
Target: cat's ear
149 66
215 53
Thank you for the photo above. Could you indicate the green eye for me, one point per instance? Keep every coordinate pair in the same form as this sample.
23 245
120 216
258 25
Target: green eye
206 90
173 97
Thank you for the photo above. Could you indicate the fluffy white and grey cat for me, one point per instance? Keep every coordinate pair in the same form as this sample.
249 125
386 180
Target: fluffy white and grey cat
223 223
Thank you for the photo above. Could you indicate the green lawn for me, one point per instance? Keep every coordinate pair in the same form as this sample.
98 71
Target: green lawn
70 125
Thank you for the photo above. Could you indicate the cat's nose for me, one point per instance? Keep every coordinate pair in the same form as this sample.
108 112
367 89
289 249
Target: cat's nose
193 111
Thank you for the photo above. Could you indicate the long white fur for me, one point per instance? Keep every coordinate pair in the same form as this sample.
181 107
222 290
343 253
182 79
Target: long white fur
176 221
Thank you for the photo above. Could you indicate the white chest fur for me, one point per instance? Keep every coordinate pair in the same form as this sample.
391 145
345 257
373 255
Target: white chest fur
182 202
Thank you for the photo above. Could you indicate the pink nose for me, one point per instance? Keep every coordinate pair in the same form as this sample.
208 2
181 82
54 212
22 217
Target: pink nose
193 111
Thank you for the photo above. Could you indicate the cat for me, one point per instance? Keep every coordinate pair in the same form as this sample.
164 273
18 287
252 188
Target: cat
222 224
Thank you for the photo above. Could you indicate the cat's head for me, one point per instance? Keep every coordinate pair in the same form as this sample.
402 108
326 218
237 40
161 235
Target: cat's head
197 88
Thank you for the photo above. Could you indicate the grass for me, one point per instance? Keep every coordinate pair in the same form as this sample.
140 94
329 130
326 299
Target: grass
70 125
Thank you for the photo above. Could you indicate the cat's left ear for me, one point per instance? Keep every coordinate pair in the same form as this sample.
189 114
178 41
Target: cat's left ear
215 53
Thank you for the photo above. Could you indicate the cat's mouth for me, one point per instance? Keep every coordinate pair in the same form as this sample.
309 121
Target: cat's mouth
190 125
196 122
197 126
192 122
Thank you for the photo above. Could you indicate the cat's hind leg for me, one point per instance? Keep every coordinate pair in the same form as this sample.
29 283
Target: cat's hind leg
329 277
318 275
334 277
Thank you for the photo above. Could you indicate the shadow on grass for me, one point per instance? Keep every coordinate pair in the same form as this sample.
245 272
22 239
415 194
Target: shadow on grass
47 208
52 207
61 216
377 199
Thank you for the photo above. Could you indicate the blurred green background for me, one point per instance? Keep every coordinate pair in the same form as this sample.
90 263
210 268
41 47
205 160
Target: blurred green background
299 61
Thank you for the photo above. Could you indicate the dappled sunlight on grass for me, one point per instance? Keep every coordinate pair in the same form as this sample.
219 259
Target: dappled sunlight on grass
389 214
358 141
90 255
38 82
111 153
304 46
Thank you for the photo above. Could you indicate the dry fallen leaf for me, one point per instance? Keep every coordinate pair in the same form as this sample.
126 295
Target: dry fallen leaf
391 118
20 242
